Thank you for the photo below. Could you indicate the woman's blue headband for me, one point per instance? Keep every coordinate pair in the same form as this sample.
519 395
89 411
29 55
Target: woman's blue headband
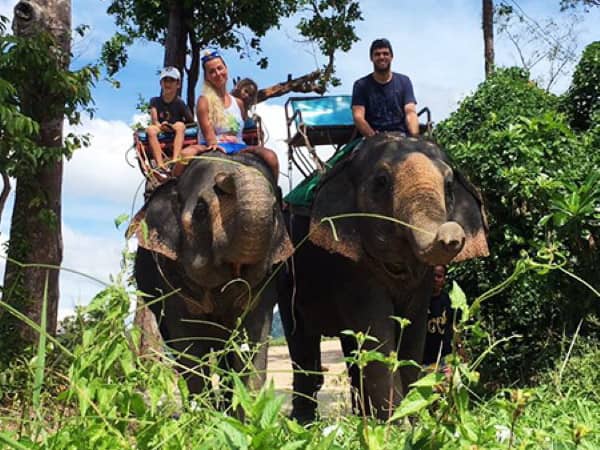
208 55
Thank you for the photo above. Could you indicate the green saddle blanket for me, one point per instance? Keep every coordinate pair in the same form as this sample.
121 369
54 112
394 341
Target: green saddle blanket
303 194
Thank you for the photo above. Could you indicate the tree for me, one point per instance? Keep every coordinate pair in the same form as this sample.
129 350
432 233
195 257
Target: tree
488 36
571 4
541 187
582 100
40 91
184 28
552 40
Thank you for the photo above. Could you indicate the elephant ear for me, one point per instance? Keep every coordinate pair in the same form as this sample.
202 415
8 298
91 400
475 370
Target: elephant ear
156 225
469 212
334 196
282 245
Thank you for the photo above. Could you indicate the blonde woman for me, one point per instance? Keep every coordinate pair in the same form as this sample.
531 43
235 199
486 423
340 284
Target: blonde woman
221 116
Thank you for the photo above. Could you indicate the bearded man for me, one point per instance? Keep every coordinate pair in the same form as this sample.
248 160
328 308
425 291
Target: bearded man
384 100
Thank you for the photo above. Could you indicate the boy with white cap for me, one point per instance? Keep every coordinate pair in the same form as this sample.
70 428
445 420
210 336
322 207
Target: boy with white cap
169 113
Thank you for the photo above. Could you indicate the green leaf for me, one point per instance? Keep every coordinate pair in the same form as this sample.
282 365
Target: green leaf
241 396
121 219
294 445
414 402
235 438
429 380
271 410
459 301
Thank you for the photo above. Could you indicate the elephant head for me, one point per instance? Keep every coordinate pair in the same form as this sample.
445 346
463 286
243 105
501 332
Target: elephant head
436 214
218 221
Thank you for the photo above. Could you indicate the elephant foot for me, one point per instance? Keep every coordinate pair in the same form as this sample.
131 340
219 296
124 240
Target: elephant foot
304 411
304 417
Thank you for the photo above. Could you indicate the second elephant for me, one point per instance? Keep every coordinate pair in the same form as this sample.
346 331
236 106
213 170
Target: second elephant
371 269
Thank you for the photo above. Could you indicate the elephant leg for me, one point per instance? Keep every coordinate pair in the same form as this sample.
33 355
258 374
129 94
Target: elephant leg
308 379
257 325
194 372
413 339
305 353
383 390
380 390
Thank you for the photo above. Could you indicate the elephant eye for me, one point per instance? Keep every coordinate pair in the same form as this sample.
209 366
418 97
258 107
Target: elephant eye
381 182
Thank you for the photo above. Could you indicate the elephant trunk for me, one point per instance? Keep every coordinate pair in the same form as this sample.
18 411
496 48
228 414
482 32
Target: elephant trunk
419 199
251 223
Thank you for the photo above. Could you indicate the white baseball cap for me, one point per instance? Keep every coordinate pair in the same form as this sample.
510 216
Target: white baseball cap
170 72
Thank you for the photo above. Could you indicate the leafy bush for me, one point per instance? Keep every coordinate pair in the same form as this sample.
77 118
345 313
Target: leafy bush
583 97
541 187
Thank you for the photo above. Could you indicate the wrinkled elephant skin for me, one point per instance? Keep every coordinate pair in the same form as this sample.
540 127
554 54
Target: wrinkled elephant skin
375 268
218 221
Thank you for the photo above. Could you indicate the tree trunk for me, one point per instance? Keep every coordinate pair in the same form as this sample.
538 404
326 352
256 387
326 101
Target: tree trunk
488 36
176 37
35 235
193 73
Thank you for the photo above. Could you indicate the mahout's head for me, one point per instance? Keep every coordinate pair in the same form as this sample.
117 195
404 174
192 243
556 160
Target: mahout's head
439 279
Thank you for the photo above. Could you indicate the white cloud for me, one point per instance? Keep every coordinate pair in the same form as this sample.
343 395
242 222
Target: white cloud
94 256
6 8
103 170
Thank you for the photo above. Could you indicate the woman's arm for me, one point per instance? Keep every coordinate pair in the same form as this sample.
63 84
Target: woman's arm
204 123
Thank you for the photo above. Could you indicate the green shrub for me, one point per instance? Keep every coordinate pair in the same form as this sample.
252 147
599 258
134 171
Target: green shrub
583 97
541 187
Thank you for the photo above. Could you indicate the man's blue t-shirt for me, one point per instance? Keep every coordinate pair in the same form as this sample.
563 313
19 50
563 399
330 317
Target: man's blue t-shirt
384 103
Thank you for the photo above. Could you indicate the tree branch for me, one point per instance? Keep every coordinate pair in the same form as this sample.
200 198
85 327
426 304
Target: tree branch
311 82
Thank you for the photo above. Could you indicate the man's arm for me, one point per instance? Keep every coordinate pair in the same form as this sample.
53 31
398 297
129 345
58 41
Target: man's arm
412 121
358 114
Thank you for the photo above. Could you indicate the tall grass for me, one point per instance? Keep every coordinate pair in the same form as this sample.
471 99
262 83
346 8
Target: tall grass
92 387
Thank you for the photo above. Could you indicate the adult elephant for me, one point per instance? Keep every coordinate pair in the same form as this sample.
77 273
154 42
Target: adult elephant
371 269
219 221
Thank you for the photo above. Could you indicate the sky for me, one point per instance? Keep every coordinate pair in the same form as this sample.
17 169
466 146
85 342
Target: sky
439 45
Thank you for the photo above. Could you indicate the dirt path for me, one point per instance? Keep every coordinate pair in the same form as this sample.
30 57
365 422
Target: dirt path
334 397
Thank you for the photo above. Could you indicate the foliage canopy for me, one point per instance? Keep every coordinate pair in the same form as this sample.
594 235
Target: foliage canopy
28 100
582 99
185 28
541 186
